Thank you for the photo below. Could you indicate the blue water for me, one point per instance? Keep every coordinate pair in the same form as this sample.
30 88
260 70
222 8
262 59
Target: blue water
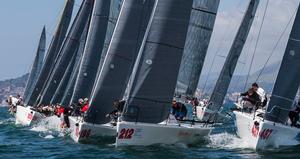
40 142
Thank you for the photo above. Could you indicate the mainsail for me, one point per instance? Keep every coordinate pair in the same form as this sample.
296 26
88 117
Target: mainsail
120 58
202 22
37 65
227 71
66 98
288 79
69 48
156 70
52 53
64 82
93 48
114 12
71 70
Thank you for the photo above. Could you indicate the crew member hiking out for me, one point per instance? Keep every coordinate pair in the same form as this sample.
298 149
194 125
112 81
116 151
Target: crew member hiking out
178 110
85 106
294 115
251 98
118 109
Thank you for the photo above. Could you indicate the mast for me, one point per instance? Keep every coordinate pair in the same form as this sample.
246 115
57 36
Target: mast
201 26
227 71
69 48
156 70
120 58
52 53
92 51
288 79
37 65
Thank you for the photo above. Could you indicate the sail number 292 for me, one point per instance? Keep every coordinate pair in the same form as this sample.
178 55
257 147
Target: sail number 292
126 134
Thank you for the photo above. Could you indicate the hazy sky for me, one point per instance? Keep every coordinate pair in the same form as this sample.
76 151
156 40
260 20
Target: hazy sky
22 22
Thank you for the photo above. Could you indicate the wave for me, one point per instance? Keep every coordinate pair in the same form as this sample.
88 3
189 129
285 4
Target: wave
48 128
227 141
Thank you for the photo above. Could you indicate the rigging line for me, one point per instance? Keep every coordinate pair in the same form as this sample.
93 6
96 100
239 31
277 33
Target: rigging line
230 21
256 44
276 45
247 54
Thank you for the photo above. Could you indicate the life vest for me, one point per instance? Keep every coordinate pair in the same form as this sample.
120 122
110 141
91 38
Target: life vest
60 111
85 108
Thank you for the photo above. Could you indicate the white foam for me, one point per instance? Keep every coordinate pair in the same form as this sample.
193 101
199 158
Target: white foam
227 141
49 137
6 121
47 124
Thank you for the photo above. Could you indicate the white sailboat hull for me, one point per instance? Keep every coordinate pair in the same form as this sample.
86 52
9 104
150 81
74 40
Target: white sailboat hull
82 131
26 116
144 134
267 134
205 114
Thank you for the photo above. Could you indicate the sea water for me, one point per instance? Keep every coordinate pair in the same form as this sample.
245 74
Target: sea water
44 140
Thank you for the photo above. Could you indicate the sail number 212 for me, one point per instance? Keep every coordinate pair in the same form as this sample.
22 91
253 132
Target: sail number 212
126 134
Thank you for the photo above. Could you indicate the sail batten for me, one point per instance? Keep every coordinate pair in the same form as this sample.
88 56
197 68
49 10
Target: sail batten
201 25
155 74
37 65
288 79
228 69
52 53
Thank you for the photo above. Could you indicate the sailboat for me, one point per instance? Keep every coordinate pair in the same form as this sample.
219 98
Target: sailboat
70 47
115 72
201 26
144 120
211 111
35 70
269 129
27 115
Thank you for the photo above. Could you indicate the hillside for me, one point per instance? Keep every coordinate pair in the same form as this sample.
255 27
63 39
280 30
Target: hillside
266 80
13 86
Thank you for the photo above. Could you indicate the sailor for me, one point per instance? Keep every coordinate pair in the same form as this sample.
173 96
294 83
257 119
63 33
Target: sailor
67 112
251 98
14 100
195 102
294 115
118 109
77 107
178 110
85 106
60 113
59 110
20 100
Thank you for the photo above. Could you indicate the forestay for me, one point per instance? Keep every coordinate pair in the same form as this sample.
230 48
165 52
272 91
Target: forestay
120 58
156 70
